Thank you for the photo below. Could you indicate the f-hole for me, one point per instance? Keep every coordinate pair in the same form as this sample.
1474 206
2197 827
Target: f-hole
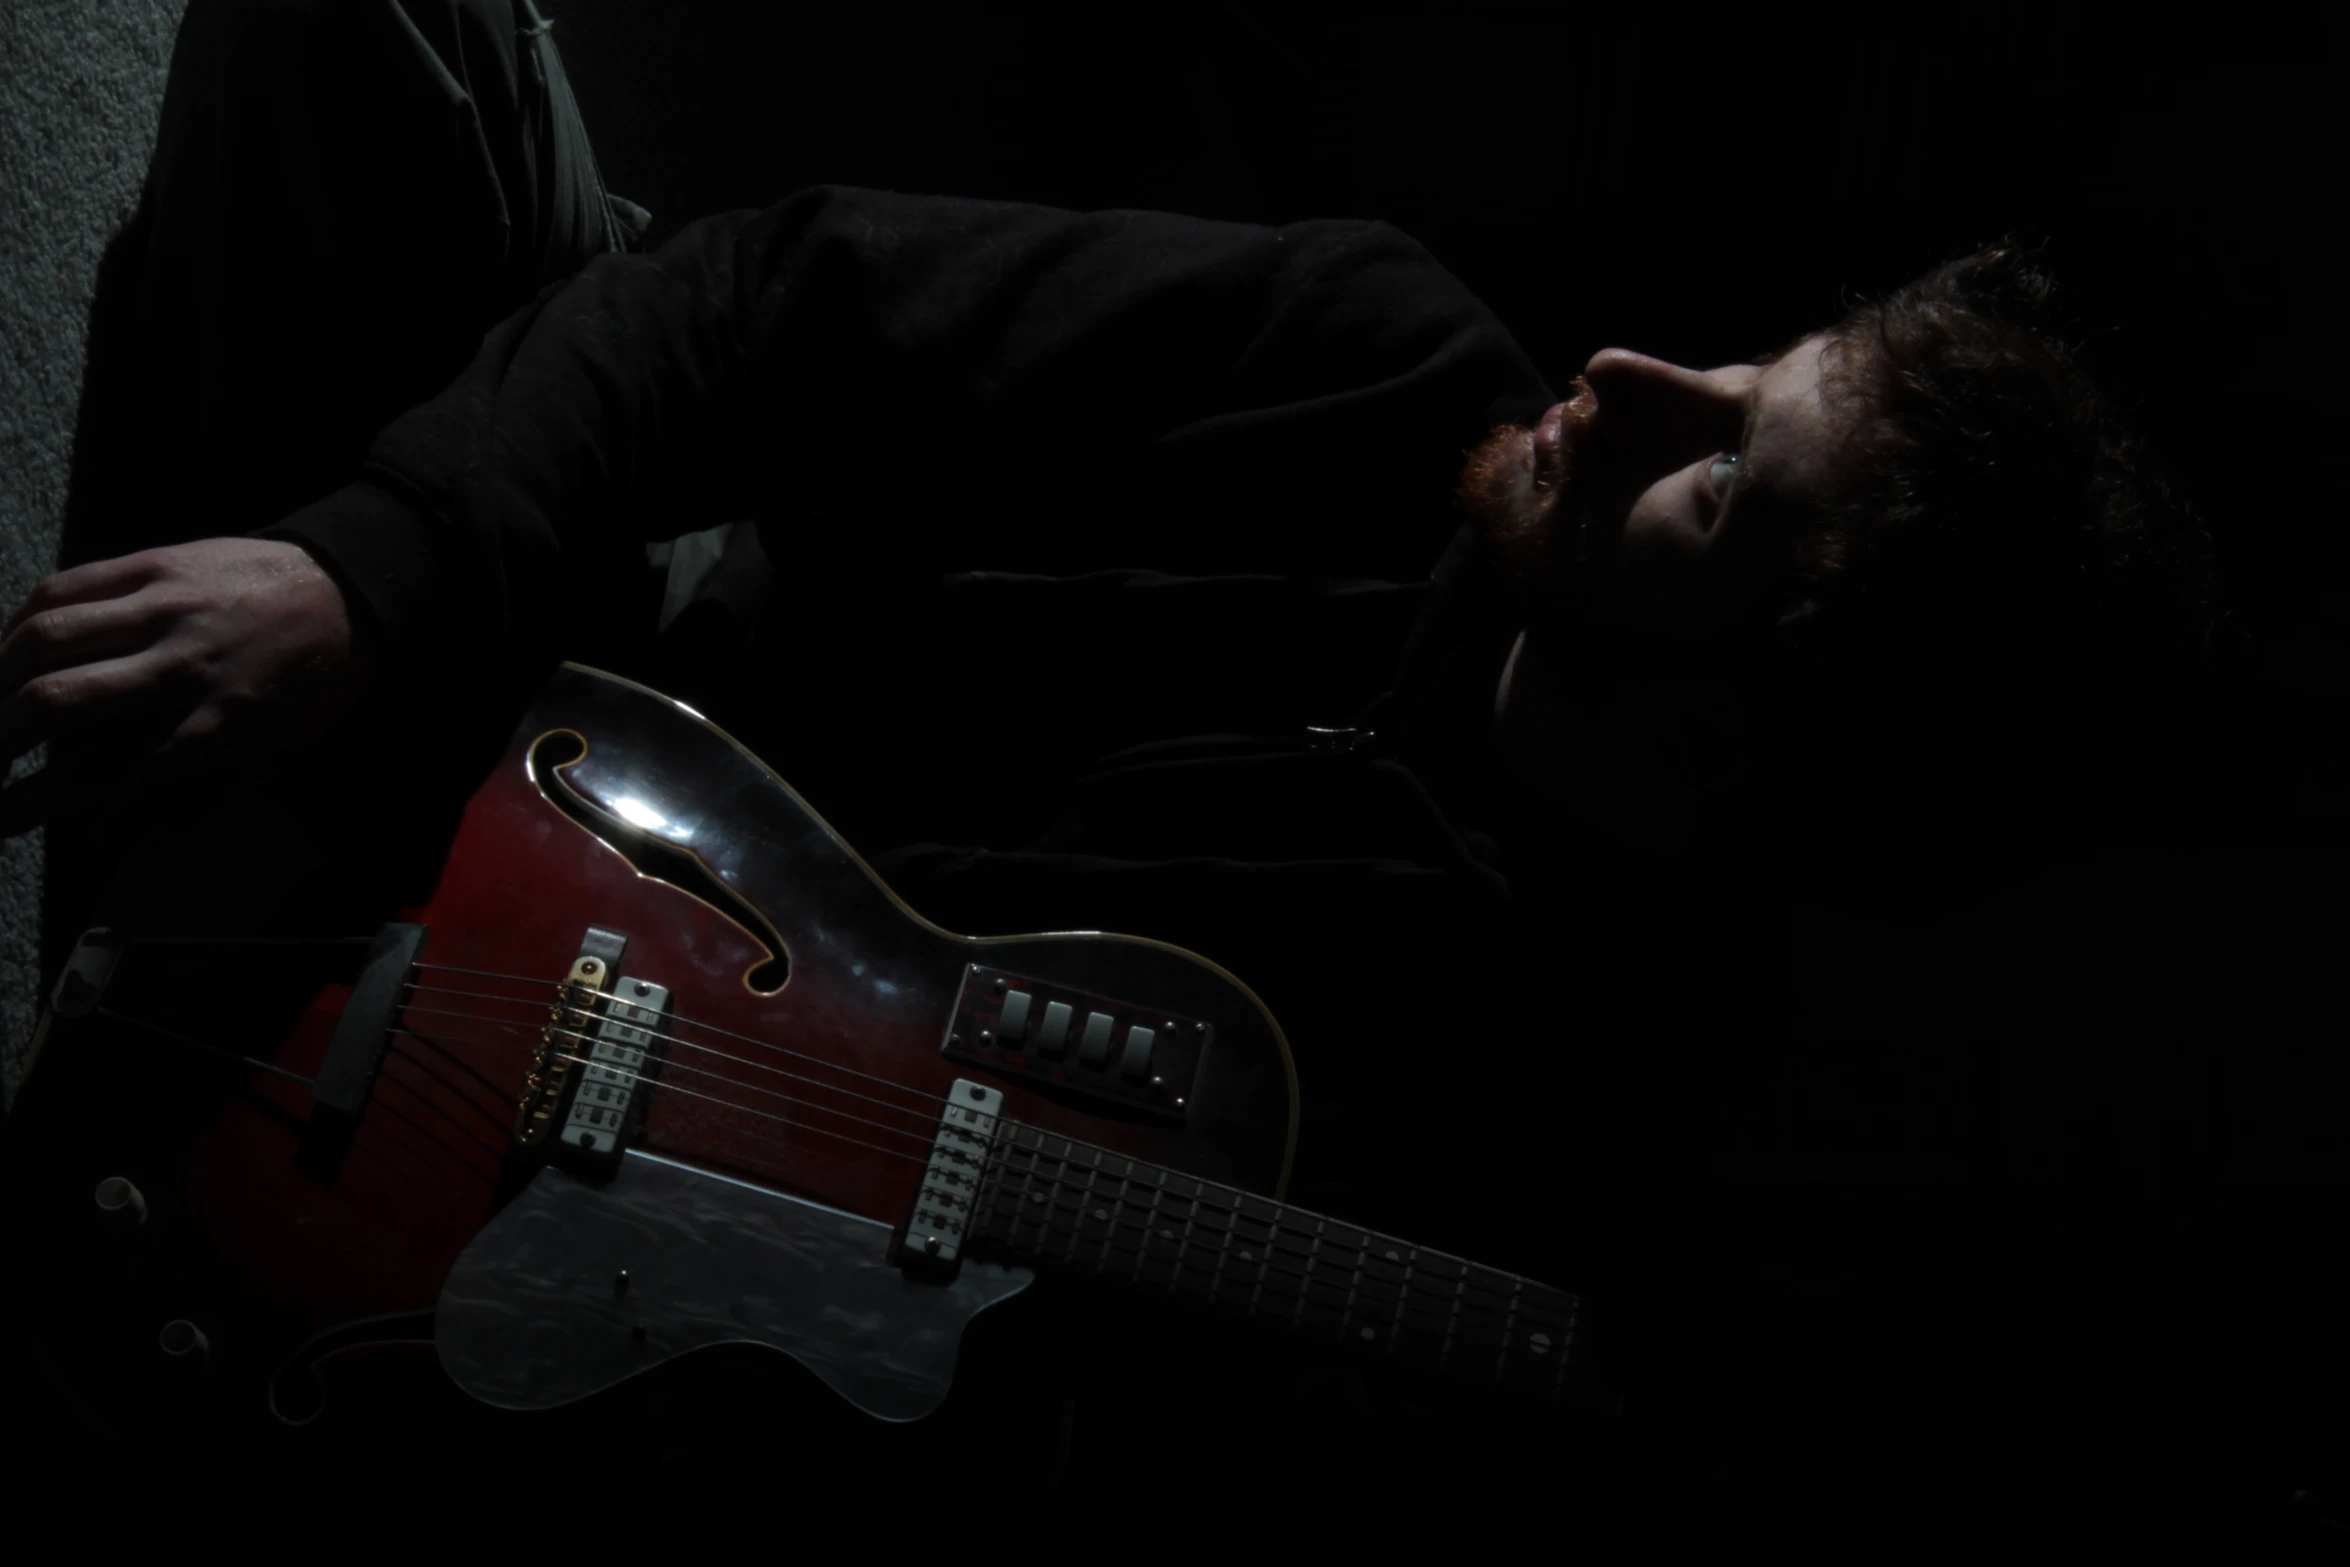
655 857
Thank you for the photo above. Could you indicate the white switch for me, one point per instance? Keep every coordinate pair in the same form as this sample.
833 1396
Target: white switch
1053 1038
1137 1060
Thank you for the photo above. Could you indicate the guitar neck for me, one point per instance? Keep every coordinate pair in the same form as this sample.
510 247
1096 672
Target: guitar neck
1077 1209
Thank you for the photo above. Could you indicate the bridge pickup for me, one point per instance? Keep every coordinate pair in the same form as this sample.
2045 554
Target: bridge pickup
615 1077
1128 1053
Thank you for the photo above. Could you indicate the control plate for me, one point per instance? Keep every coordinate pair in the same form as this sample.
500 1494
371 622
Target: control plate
1122 1051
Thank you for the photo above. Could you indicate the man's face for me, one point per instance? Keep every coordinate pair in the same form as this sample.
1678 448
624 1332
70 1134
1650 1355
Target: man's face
1646 524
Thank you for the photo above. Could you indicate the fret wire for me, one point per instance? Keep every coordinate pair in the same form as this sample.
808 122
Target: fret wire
1008 1216
1311 1266
1009 1221
1276 1222
1275 1258
1314 1263
1149 1226
1501 1363
1021 1198
1040 1203
1110 1229
1110 1233
1079 1194
1264 1260
1183 1248
979 1194
1223 1251
1093 1192
1077 1229
1403 1298
1306 1300
1297 1318
1354 1282
1314 1260
1478 1293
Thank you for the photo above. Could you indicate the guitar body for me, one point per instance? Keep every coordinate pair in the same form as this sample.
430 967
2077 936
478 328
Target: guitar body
405 1276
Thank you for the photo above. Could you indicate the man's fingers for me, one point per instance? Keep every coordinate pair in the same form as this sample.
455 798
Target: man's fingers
118 691
98 579
73 634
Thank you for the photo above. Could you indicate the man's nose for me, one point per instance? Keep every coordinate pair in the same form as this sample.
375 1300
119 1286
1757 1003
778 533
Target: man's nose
1641 396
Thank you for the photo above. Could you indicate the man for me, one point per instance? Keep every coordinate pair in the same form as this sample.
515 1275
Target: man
1486 769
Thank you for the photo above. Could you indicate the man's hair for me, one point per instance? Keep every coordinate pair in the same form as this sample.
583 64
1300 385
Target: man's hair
1973 640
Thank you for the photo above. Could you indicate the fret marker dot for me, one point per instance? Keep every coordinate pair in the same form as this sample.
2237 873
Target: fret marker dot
1247 1257
1101 1213
1369 1334
1539 1343
1036 1196
1395 1256
1166 1235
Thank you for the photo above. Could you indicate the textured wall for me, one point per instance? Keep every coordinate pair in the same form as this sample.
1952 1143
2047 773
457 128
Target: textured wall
81 83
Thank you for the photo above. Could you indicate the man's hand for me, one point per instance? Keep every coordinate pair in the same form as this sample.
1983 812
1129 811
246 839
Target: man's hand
194 663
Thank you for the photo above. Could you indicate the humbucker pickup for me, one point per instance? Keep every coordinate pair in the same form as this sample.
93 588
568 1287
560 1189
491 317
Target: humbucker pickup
1117 1050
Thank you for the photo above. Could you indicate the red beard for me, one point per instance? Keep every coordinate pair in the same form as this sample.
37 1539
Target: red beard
1539 549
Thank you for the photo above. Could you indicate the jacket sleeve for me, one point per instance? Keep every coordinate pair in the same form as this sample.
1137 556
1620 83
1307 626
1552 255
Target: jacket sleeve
884 369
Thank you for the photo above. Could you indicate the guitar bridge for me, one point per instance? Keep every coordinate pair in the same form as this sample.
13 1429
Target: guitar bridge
597 1056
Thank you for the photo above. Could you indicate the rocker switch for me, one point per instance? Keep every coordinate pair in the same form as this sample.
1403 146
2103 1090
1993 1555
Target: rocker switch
1013 1022
1053 1038
1137 1060
1094 1048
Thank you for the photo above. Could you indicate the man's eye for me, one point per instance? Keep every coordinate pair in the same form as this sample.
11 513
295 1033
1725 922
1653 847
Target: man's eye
1716 477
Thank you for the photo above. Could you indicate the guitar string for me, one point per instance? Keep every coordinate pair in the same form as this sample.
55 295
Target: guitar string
930 1101
1448 1291
938 1101
1087 1191
757 1066
935 1103
1448 1296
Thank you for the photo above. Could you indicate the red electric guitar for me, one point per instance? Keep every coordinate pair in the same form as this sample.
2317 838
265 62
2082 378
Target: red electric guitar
660 1066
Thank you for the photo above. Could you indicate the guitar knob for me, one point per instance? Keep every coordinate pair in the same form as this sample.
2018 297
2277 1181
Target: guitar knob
184 1346
123 1205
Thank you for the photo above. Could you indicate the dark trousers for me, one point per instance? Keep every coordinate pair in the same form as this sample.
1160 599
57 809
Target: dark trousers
344 196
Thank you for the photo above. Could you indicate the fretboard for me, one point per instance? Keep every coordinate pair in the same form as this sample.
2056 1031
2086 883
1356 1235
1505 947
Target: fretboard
1072 1207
